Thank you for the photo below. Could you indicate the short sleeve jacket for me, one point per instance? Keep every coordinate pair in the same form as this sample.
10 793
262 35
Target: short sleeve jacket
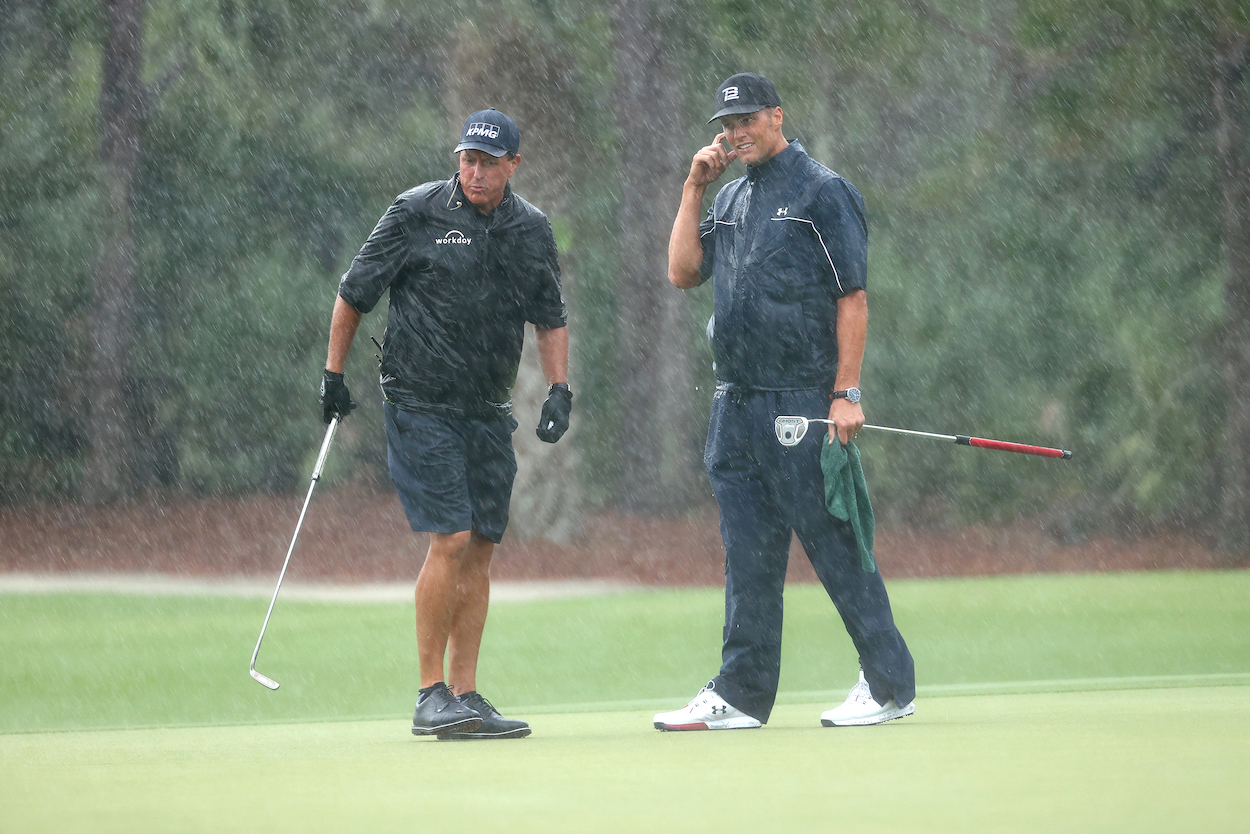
462 286
781 246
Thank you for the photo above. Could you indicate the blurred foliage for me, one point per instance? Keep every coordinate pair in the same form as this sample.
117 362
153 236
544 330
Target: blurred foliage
1040 178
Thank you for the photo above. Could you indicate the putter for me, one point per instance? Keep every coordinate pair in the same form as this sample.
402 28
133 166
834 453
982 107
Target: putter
265 680
790 430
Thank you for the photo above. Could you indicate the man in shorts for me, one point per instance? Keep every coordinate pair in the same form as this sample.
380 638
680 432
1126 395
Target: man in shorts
467 263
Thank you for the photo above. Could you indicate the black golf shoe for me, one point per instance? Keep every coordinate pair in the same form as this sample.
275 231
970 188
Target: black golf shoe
493 724
439 712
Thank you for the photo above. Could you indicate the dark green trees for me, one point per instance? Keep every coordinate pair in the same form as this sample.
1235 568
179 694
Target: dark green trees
1057 196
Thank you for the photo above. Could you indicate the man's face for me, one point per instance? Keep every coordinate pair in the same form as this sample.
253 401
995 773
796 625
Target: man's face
755 136
483 178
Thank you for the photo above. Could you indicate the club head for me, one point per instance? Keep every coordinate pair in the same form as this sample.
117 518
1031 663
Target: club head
790 430
263 680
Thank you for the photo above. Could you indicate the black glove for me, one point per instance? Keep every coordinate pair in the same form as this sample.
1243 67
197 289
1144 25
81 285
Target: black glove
336 400
555 418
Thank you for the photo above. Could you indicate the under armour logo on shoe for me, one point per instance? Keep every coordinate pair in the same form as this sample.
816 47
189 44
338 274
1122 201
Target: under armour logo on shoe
782 212
718 710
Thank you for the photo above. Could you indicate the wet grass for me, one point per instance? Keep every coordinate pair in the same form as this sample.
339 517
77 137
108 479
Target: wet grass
86 661
1075 703
1159 760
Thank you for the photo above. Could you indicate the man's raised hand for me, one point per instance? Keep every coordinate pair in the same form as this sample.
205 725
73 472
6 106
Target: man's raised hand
710 162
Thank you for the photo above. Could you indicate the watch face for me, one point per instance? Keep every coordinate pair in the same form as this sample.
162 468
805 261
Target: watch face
852 394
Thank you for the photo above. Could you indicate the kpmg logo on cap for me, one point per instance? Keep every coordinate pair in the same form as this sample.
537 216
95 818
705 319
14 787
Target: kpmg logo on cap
731 93
483 129
453 236
489 131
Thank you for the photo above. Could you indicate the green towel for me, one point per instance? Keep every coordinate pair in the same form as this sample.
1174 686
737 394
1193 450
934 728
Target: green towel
846 496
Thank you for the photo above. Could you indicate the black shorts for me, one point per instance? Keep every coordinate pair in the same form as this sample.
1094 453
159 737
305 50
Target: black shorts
452 473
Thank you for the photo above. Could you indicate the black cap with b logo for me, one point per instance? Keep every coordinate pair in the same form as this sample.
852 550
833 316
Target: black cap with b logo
745 92
489 131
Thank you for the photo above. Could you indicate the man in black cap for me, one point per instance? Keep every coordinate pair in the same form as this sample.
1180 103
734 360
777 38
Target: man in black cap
786 249
467 263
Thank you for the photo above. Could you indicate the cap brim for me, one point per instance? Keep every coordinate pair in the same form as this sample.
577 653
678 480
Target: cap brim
736 110
493 150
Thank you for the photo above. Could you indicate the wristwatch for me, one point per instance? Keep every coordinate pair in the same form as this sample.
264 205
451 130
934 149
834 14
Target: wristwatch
851 394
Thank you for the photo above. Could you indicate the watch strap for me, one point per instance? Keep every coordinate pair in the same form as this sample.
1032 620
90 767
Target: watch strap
846 395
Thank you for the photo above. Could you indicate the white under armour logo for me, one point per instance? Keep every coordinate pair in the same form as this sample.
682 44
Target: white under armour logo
782 212
731 93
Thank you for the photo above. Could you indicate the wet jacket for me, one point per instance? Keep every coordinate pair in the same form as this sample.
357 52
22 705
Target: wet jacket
781 246
462 285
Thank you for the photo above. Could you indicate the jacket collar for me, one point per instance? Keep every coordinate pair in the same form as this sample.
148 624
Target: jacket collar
779 165
456 198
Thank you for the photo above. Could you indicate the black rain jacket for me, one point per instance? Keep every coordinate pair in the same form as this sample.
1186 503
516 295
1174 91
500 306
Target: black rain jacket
781 246
462 285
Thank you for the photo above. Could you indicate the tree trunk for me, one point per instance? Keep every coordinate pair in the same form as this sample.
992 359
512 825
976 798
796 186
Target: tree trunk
121 116
658 452
1233 534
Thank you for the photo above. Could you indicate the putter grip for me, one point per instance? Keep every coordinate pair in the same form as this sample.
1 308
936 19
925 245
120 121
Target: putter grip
1004 446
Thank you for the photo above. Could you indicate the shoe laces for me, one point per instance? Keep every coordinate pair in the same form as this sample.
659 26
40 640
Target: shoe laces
475 701
701 695
860 692
440 694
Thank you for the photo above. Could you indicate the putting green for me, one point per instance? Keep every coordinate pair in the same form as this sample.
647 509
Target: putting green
98 661
1046 703
1142 761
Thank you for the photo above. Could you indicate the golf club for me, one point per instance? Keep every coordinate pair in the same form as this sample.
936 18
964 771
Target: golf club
265 680
790 430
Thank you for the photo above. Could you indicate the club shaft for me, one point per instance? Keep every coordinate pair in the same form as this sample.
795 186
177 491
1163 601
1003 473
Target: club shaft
949 437
978 442
316 476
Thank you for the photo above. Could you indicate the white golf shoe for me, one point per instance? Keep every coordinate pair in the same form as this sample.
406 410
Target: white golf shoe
708 711
859 709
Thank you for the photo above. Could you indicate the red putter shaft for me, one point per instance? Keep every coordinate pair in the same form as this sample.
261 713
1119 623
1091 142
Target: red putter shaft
1004 446
979 442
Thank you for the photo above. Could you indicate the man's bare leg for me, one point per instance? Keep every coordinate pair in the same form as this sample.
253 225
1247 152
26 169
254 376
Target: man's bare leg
469 617
436 597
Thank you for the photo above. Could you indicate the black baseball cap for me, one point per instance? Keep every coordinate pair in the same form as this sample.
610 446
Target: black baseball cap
745 92
489 131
